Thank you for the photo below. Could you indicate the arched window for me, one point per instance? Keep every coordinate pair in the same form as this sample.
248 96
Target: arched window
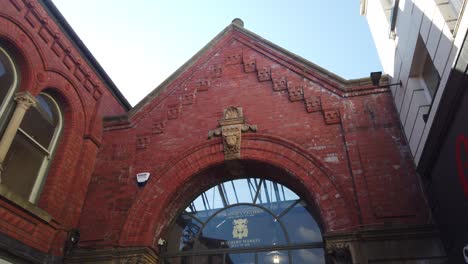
32 148
245 221
8 86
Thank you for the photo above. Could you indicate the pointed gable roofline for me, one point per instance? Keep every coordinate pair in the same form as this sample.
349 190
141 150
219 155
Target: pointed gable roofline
330 81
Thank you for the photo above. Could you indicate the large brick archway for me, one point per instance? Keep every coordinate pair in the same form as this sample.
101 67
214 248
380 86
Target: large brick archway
177 183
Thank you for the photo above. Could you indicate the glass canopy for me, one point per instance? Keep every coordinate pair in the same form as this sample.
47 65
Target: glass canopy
245 221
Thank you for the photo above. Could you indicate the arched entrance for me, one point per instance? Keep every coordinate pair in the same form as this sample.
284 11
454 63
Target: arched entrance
247 220
203 166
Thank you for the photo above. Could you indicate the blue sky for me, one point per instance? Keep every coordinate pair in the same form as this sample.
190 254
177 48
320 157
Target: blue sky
141 42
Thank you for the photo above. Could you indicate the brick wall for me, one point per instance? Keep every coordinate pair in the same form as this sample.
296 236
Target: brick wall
48 61
337 144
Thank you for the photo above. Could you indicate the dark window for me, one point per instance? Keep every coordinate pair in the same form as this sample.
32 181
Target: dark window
8 86
422 68
30 154
431 76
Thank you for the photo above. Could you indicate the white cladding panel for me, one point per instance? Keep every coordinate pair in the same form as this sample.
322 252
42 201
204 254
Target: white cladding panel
415 18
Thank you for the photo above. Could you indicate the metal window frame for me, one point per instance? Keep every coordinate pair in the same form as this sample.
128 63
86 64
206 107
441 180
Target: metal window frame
259 182
8 100
41 174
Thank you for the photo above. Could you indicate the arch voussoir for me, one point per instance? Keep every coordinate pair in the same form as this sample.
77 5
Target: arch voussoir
153 211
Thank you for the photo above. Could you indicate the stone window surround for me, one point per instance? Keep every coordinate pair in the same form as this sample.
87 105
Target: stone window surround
24 100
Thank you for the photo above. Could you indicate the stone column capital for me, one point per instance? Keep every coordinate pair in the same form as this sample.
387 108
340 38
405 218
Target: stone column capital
25 100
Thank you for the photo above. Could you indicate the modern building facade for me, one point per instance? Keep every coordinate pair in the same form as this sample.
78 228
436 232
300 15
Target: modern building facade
423 45
246 154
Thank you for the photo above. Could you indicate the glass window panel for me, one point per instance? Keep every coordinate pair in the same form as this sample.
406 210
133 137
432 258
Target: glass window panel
214 199
190 233
288 194
202 215
211 200
7 74
47 108
6 115
279 207
241 191
40 122
22 165
242 226
240 258
8 79
274 192
275 197
175 235
313 255
431 76
201 203
300 225
261 197
274 257
252 185
231 192
223 191
266 192
3 66
183 234
209 225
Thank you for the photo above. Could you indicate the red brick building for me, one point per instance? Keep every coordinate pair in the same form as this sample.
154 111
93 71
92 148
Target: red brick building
242 106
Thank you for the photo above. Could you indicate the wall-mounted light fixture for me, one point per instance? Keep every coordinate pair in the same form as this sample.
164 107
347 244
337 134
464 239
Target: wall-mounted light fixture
375 77
72 240
274 257
162 243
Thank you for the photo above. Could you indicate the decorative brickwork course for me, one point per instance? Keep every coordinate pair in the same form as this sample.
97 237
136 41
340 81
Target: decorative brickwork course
50 62
332 157
344 152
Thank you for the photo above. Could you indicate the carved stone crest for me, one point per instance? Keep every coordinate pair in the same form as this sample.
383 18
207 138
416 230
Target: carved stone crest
232 140
231 127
